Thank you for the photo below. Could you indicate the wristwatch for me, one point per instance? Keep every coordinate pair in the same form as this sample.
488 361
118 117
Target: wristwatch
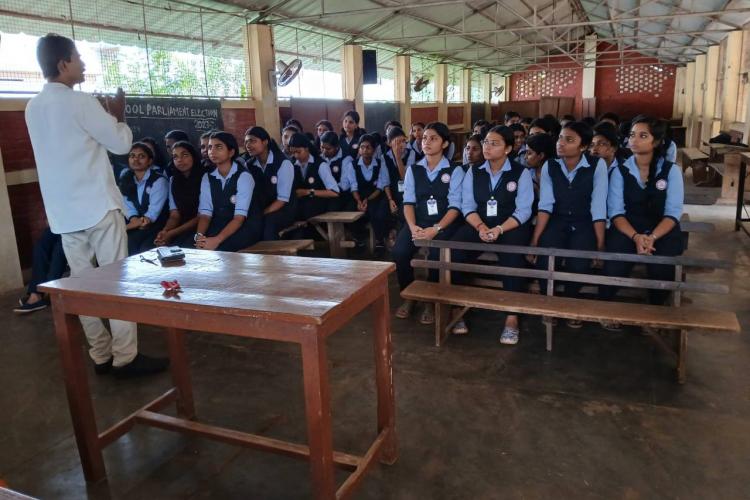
311 193
197 235
437 226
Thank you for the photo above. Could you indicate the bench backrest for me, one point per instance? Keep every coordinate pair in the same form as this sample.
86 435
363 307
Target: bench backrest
445 266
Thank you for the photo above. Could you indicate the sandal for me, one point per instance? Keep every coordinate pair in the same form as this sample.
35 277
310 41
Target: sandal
428 315
404 310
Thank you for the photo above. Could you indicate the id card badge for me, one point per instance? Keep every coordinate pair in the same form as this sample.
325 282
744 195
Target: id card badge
492 208
400 186
432 208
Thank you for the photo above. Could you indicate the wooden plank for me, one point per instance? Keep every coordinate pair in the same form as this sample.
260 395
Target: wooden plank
350 484
559 252
123 426
166 422
340 217
580 309
280 247
295 225
591 279
693 154
688 226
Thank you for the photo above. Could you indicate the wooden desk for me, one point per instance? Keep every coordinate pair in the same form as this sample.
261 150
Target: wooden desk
334 232
289 299
730 156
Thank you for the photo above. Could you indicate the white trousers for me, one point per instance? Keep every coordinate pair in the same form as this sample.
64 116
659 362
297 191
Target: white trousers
102 244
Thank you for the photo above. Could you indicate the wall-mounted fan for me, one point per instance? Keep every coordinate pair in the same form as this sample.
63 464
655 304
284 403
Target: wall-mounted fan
421 83
285 73
498 91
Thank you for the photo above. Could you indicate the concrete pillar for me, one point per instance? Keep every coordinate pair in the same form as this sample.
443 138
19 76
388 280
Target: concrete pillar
689 99
709 96
351 65
10 266
678 104
260 61
441 91
731 86
402 75
589 67
466 96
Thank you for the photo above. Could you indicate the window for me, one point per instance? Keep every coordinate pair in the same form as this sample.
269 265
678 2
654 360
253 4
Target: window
385 89
195 53
321 63
455 80
478 91
422 69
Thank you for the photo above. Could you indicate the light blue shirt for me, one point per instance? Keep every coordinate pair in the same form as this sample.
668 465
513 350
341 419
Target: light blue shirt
454 190
598 196
367 171
524 196
284 179
672 152
245 187
411 157
347 174
324 171
675 190
157 196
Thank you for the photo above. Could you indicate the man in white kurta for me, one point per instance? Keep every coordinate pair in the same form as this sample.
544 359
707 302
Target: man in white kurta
71 133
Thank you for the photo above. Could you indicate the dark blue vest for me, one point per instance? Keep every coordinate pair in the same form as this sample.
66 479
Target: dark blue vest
645 205
129 189
266 180
311 174
505 193
337 168
424 189
222 197
365 187
573 199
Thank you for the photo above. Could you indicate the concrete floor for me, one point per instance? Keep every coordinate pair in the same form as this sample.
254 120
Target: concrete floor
599 417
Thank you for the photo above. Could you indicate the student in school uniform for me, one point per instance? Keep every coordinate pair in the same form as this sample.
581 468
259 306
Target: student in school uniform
510 118
539 126
368 182
351 134
341 169
605 145
572 203
432 209
274 176
205 160
519 144
314 185
184 193
539 149
286 136
229 219
496 203
170 138
144 195
397 159
645 204
481 127
473 154
158 163
321 128
415 139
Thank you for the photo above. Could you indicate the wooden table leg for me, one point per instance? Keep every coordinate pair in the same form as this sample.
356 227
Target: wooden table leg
333 240
178 365
384 376
318 409
68 332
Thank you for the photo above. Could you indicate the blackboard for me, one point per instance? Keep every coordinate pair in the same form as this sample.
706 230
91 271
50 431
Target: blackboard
154 117
378 113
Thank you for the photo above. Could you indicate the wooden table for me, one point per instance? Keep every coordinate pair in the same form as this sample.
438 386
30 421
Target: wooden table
334 232
289 299
730 156
280 247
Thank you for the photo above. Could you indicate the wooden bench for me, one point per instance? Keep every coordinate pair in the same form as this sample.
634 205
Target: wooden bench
671 318
334 232
280 247
693 158
299 224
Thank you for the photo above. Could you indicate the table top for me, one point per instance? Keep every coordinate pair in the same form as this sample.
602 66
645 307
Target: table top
345 217
284 288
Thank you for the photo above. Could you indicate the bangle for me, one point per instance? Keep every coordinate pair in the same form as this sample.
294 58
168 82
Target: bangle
634 235
197 235
502 231
437 227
